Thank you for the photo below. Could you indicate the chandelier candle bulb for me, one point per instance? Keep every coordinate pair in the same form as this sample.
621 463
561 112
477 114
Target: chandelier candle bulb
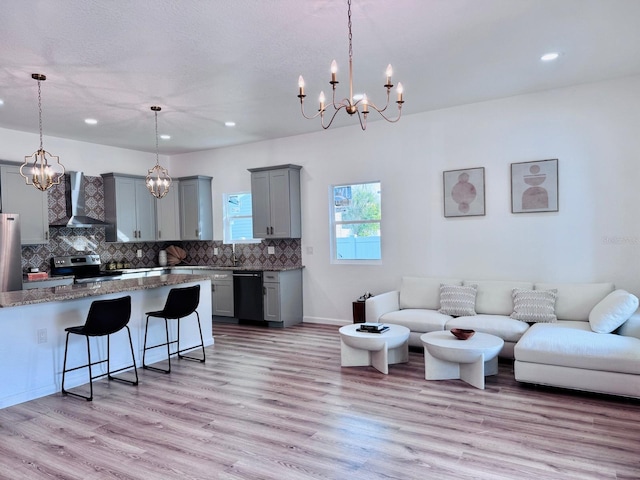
334 71
322 100
301 86
389 74
365 104
400 90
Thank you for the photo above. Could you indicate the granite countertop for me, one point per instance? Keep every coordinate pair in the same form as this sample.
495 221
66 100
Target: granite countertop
70 292
274 268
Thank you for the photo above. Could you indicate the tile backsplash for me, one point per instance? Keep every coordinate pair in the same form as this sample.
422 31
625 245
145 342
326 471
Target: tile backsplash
71 241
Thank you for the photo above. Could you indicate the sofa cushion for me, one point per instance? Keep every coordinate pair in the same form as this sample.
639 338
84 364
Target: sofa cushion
576 300
457 300
417 320
573 344
423 292
494 296
502 326
537 306
612 311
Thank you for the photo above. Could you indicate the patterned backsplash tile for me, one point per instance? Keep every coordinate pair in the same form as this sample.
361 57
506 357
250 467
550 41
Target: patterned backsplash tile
71 241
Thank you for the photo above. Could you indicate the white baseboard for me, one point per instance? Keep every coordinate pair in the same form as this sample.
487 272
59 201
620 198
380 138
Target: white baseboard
326 321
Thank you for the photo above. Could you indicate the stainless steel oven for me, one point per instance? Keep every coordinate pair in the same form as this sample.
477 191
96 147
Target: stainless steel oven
84 268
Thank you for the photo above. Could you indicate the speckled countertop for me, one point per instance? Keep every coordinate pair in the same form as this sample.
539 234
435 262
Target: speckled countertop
70 292
180 267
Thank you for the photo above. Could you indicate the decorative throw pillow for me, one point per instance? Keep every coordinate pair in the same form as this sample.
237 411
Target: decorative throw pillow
458 300
536 306
612 311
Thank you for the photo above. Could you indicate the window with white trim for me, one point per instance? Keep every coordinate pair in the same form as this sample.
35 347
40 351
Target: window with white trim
356 218
238 218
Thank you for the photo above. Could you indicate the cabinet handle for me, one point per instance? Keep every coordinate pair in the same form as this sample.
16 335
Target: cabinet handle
213 288
271 230
264 290
267 230
159 233
46 235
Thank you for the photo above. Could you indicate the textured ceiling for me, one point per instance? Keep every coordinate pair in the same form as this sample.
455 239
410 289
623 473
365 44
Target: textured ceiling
208 61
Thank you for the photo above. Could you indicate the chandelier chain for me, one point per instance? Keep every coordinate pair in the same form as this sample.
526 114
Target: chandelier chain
40 112
350 34
157 149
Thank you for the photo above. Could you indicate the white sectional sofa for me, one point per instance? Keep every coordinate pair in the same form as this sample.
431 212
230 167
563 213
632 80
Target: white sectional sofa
583 336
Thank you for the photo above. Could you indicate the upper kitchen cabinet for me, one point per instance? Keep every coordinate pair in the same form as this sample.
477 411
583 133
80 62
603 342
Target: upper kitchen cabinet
275 198
196 208
29 202
168 214
129 208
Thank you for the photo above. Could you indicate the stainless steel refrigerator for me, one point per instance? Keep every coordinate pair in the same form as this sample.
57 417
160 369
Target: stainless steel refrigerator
10 253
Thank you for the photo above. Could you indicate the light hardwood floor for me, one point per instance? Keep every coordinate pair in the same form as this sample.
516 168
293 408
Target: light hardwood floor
275 404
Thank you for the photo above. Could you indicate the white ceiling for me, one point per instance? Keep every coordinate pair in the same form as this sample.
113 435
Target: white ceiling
208 61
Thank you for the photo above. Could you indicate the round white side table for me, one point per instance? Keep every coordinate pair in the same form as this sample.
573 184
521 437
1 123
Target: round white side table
379 350
446 357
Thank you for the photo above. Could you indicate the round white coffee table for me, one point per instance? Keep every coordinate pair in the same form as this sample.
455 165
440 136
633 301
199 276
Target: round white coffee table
379 350
446 357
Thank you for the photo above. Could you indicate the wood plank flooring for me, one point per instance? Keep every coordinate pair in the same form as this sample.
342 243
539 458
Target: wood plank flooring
275 404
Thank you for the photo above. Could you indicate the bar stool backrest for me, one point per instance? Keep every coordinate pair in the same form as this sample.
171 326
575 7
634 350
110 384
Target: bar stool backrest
182 302
107 316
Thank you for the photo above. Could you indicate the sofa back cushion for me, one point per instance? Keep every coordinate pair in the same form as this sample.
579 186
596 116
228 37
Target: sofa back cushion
423 292
576 300
494 296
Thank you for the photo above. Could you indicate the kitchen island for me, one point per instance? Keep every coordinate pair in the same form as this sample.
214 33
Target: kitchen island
34 322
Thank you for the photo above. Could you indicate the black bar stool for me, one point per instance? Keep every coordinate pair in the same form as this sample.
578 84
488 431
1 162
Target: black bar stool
105 317
181 302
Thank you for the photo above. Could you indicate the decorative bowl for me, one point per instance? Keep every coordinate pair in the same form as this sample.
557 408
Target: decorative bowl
462 334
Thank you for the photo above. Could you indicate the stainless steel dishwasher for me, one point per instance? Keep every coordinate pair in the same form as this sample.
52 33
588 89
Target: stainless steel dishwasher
247 295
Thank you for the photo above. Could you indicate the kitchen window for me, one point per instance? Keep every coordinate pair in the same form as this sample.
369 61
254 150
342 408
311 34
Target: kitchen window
356 217
238 218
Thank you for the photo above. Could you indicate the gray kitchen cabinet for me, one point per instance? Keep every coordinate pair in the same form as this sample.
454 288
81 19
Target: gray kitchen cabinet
30 203
129 209
196 208
168 214
275 200
283 297
221 291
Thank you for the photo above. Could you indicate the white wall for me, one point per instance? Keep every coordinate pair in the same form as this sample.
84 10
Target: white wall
89 158
595 236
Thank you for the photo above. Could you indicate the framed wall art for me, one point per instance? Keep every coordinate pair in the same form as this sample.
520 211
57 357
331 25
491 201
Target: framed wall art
534 186
463 192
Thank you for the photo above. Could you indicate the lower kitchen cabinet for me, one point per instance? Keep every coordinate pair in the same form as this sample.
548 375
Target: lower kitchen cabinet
221 291
283 297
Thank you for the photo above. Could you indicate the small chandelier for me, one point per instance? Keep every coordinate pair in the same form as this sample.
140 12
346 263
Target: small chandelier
158 179
41 174
363 105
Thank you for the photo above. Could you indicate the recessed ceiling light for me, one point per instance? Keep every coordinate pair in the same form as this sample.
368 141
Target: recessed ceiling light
1 101
547 57
165 137
229 124
90 121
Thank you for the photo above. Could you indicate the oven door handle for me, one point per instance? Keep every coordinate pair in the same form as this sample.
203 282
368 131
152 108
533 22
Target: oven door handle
247 275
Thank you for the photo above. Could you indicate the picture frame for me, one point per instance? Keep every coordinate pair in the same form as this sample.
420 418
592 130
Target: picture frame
534 186
464 192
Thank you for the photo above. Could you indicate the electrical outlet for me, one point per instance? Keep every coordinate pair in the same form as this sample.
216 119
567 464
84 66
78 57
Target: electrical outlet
215 250
309 250
139 253
271 250
42 335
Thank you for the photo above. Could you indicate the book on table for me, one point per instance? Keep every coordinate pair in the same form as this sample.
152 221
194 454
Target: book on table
373 327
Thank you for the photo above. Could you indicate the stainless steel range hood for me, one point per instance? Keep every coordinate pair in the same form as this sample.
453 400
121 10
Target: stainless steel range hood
76 215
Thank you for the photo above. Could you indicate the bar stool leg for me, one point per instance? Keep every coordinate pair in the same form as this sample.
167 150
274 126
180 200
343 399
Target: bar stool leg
145 348
187 357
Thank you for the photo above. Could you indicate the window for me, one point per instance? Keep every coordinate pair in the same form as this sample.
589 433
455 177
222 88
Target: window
238 219
356 219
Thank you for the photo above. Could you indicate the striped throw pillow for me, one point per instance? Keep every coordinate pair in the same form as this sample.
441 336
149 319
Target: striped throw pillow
536 306
458 300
